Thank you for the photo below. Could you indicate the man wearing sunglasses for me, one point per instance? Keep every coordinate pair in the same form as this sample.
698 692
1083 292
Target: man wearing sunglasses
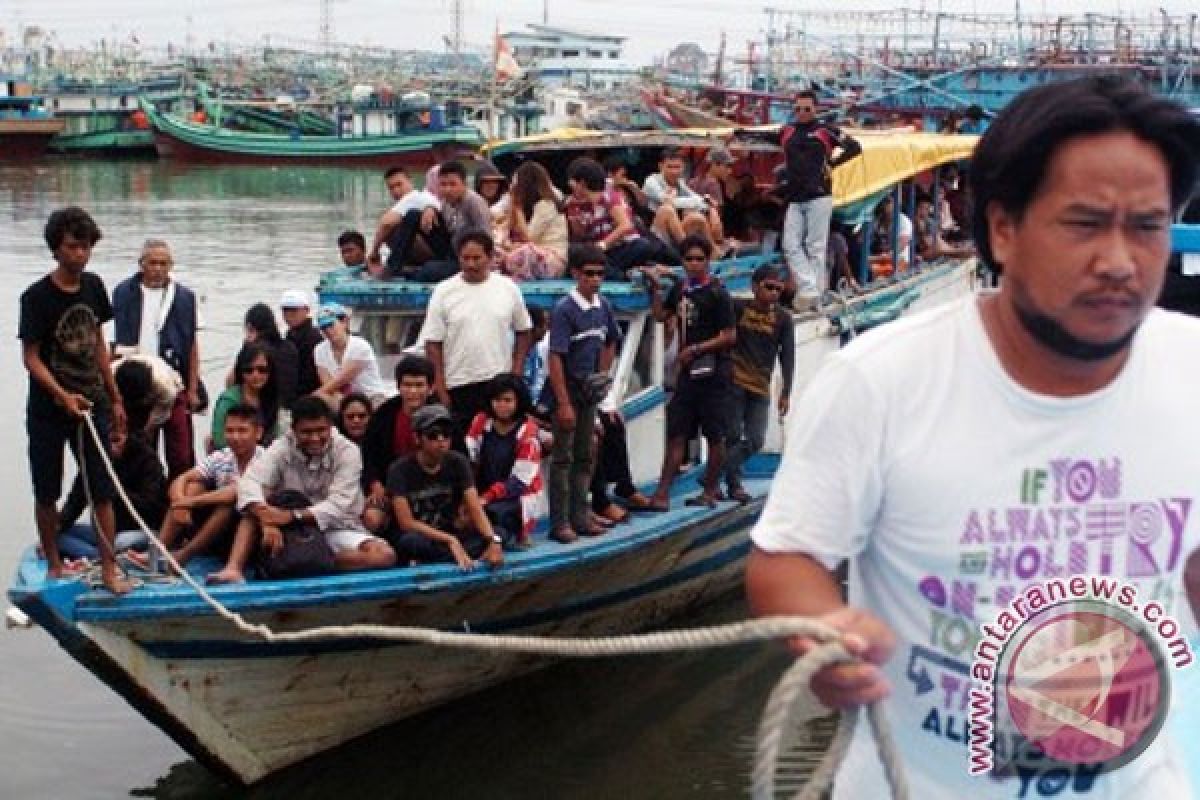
439 518
764 333
809 146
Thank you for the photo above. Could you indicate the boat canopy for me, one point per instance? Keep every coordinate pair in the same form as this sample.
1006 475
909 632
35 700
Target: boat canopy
889 156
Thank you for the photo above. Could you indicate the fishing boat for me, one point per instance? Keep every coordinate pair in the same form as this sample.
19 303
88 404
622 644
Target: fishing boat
105 119
247 708
26 126
370 136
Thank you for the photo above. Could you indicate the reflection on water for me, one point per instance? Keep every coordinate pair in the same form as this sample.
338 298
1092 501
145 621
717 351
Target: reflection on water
650 727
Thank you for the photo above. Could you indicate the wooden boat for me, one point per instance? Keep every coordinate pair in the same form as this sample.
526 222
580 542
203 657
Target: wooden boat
247 708
205 143
26 127
105 119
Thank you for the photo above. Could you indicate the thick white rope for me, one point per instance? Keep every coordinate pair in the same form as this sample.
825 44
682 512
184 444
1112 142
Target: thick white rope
782 712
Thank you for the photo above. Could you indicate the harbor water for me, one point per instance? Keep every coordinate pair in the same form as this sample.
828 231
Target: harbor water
645 727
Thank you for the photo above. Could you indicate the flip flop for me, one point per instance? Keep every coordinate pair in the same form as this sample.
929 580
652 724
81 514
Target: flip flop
638 502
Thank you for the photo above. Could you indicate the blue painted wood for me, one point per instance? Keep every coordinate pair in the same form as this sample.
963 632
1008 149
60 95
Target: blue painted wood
1185 238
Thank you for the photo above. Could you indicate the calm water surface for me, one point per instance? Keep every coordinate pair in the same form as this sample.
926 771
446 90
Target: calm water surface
652 727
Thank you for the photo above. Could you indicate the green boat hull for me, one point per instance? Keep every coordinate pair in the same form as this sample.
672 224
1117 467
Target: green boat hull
108 143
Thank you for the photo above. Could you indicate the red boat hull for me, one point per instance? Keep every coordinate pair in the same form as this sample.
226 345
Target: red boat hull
25 139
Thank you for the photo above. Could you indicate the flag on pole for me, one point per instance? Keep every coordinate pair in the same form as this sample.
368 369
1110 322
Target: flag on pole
507 67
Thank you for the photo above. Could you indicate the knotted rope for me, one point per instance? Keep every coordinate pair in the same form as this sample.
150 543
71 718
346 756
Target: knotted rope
789 705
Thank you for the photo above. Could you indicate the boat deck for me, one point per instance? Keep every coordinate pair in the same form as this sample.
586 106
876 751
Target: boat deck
75 601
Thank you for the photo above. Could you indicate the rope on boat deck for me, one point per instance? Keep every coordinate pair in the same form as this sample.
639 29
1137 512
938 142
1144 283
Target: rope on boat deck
790 704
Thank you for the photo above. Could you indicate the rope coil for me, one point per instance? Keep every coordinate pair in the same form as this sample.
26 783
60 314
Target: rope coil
783 712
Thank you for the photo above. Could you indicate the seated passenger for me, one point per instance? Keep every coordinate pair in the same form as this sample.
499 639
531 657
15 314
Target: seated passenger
412 229
492 186
537 229
141 474
254 386
345 362
506 454
931 243
352 247
678 209
618 178
261 328
352 417
318 462
598 215
203 498
716 186
439 518
882 249
390 436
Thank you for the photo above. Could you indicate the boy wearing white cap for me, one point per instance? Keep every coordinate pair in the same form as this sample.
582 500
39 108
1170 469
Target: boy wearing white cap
304 335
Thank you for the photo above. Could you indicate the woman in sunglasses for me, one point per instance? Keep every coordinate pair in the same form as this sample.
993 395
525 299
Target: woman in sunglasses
253 384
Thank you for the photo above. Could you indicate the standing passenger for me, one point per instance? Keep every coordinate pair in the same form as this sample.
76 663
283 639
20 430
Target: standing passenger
764 333
809 146
157 316
64 351
583 340
476 327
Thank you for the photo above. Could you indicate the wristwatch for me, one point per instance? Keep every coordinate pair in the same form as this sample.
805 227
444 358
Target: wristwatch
298 516
496 539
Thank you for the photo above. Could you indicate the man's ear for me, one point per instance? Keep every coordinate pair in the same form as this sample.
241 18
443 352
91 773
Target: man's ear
1002 231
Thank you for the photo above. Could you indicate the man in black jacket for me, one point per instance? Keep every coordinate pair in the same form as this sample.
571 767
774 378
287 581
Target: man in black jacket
390 436
809 146
306 337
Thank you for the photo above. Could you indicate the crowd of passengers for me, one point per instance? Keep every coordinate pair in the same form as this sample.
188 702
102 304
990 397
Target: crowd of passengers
501 415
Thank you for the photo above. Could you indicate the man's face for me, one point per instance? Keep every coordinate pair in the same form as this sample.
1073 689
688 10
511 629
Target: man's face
353 254
312 435
242 435
156 267
474 261
767 291
399 185
720 171
695 263
1085 262
451 187
73 254
435 441
588 278
804 108
672 170
295 316
414 391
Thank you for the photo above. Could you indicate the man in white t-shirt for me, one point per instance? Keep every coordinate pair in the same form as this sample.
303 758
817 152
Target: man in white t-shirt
410 228
1039 432
476 327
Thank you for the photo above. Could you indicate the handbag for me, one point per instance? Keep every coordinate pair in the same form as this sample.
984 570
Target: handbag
305 552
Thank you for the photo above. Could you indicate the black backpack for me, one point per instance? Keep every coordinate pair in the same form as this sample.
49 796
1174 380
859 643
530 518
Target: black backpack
305 552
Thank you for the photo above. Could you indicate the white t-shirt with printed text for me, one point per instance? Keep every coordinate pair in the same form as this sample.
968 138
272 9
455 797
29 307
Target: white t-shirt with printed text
951 488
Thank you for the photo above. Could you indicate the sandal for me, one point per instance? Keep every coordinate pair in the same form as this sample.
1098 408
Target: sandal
638 502
614 514
704 500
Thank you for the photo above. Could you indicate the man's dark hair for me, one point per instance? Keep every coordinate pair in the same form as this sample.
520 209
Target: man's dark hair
416 366
808 93
453 168
588 172
670 153
1009 163
73 220
767 272
694 241
476 235
244 411
310 408
614 162
352 237
583 255
392 171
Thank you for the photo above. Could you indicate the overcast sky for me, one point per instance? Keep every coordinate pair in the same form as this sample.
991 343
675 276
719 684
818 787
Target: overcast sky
652 27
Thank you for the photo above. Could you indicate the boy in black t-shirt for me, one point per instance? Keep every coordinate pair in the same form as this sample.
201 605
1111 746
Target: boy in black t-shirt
429 489
701 399
64 351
